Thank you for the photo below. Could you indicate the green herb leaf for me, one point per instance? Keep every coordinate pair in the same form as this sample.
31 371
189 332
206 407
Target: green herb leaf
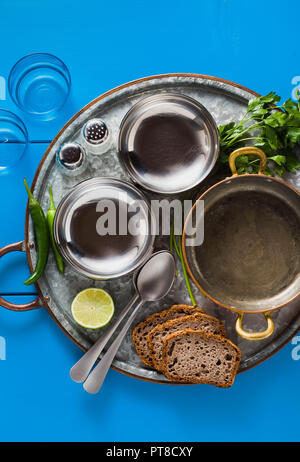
270 98
276 130
294 135
277 119
292 164
225 128
279 160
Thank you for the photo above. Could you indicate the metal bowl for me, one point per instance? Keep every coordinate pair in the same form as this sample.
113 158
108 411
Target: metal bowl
168 143
84 245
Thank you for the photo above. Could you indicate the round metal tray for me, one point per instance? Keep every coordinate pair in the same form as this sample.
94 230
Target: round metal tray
226 101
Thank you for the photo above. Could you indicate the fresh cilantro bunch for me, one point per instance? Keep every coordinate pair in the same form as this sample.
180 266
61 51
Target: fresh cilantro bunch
274 129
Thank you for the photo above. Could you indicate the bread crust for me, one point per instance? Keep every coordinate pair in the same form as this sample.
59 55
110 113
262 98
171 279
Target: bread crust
170 323
181 333
160 319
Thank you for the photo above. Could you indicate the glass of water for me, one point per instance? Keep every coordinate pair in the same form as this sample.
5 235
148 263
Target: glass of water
40 85
13 139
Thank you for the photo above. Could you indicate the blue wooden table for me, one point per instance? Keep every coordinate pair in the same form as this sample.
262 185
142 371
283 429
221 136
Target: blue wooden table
253 43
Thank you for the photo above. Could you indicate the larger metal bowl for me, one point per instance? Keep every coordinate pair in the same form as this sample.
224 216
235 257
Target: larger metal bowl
78 235
168 143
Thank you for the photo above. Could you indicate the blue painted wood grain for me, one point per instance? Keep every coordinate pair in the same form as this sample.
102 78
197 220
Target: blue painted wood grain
253 43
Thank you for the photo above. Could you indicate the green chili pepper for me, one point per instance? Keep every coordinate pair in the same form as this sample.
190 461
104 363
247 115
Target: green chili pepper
50 219
42 236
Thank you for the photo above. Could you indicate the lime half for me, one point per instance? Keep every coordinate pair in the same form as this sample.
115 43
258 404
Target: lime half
92 308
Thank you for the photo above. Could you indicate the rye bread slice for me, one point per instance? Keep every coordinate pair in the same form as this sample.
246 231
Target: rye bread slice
191 356
140 332
197 321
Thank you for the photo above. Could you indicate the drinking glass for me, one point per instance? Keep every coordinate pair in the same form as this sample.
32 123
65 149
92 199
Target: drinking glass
40 85
13 139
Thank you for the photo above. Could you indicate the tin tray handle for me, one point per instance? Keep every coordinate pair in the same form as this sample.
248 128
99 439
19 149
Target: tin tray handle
18 247
250 150
254 335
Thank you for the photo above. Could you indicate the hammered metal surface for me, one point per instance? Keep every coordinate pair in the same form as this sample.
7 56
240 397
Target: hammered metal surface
226 103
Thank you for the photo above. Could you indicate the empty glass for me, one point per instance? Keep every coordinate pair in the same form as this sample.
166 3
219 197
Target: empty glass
13 139
40 84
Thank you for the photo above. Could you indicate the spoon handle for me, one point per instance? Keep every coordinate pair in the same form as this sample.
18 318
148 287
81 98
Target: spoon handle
95 380
81 369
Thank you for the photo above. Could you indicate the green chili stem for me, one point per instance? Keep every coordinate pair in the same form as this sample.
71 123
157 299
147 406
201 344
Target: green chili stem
30 195
171 244
186 278
175 245
52 206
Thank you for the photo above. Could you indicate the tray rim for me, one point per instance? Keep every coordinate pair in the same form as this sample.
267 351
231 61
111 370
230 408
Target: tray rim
61 131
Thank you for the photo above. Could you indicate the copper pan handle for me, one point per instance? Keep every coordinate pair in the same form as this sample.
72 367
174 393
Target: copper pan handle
254 335
251 150
18 247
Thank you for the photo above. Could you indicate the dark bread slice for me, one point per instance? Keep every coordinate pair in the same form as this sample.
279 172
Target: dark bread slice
197 321
140 332
191 356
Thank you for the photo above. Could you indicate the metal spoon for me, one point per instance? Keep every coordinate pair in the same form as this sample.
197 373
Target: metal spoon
82 368
153 282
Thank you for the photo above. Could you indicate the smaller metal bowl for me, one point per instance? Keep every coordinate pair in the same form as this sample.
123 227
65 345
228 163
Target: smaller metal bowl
168 143
78 235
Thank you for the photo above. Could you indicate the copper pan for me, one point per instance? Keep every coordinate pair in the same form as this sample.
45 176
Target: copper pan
249 260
